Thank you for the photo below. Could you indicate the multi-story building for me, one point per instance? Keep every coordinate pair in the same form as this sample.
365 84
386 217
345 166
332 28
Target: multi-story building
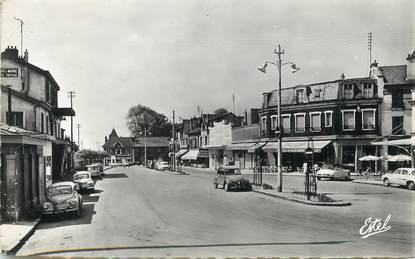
120 149
34 149
342 117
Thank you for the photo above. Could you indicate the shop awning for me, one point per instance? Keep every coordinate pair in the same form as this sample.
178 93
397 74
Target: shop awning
256 146
215 147
396 142
194 154
296 146
240 146
181 152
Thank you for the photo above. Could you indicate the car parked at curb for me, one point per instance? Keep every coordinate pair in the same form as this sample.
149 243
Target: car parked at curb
162 165
95 169
230 178
83 181
401 176
62 198
333 173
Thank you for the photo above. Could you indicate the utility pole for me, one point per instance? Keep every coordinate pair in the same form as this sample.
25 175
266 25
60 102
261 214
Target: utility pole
78 126
233 103
369 45
71 95
279 64
174 145
145 147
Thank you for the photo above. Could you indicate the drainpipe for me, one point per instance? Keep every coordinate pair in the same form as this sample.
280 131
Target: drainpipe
9 106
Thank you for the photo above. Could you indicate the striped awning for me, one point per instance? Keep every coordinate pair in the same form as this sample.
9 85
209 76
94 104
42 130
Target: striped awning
296 146
194 154
181 152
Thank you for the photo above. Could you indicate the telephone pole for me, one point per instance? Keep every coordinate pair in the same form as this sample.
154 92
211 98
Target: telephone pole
369 46
174 145
71 95
233 103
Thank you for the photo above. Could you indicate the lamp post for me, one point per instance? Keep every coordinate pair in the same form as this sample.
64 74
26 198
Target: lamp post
279 64
309 157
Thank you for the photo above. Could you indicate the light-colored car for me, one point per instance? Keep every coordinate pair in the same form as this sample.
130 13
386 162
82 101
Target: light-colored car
229 177
162 165
95 169
333 173
62 198
84 181
401 176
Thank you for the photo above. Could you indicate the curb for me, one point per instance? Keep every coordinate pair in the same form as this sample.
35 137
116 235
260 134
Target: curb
329 204
365 182
22 241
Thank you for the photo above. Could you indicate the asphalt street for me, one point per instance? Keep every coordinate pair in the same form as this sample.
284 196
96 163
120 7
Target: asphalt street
145 213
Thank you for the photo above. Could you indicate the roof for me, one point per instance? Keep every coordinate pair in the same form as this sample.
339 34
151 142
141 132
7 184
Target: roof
113 134
12 54
123 141
82 172
394 75
63 183
152 142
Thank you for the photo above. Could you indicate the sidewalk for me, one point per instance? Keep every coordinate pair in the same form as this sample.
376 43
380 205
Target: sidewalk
368 181
300 198
13 236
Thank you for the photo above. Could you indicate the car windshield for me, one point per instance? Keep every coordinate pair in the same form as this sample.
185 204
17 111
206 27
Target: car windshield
59 190
81 176
230 171
92 167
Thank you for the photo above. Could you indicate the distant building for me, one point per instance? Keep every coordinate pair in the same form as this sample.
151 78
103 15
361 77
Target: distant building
157 148
120 149
34 148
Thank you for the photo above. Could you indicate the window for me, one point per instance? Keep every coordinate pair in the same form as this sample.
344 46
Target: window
47 124
128 151
9 72
315 121
397 125
118 151
47 91
348 91
300 95
368 119
299 122
348 119
274 121
264 124
206 140
328 122
286 123
368 90
317 93
16 119
397 99
42 123
405 172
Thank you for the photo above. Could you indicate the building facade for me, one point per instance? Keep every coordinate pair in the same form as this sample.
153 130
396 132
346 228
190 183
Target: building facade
120 149
34 149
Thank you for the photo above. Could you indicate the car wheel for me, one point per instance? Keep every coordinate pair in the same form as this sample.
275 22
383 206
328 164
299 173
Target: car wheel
226 187
386 182
411 185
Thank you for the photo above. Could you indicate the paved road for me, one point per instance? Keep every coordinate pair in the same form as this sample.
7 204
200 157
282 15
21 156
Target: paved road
141 212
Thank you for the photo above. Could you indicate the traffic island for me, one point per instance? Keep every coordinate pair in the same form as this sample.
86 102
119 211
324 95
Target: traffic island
301 197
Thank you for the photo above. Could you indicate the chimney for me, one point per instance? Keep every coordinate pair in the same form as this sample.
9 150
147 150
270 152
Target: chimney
26 56
342 76
246 117
11 52
410 68
106 139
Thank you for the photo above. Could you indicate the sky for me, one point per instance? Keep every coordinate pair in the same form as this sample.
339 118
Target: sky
185 54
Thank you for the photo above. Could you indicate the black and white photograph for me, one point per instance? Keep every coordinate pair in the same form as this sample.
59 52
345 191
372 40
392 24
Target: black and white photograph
207 129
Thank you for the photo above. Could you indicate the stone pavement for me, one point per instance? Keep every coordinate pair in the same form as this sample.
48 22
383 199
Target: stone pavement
13 236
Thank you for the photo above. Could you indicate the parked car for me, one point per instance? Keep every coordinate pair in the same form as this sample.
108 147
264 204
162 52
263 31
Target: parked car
62 198
162 165
83 181
401 176
95 169
229 177
333 173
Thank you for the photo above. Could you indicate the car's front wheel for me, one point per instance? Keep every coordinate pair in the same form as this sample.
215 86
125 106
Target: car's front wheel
226 187
386 182
411 185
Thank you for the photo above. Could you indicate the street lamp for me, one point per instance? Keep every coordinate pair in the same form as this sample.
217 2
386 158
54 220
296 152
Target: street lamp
145 144
294 68
309 157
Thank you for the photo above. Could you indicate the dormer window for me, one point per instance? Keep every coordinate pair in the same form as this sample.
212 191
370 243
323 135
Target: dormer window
317 93
348 91
300 95
368 90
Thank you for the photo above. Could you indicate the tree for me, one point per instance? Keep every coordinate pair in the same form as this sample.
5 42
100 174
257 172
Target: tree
220 111
140 117
89 155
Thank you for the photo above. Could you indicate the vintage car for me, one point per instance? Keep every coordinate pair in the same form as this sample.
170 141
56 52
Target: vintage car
333 173
401 176
96 169
162 165
62 198
83 181
229 177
